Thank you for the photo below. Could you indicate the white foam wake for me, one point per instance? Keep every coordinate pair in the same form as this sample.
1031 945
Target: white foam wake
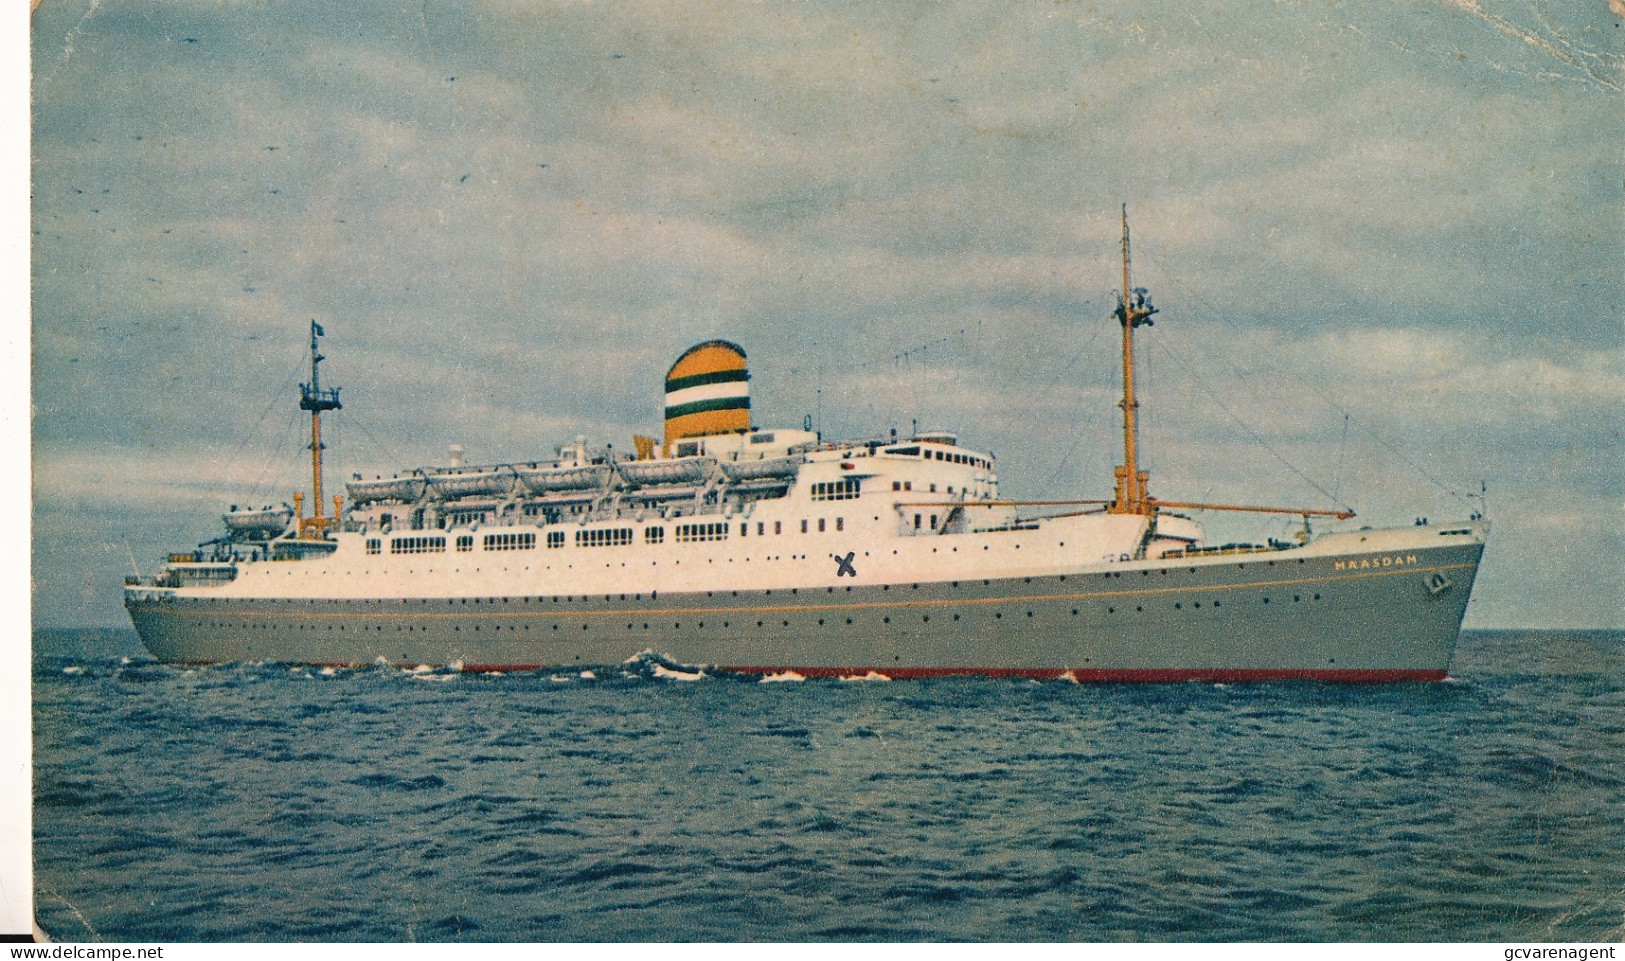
661 670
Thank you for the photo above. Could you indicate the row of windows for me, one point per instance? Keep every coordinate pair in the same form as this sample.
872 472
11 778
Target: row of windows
654 595
417 545
885 619
607 537
604 537
844 489
952 458
909 485
942 455
522 541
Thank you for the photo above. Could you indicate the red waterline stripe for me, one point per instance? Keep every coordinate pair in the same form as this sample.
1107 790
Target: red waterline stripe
1109 675
1126 675
1105 675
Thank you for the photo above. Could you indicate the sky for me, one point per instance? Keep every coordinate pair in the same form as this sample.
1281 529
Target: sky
1385 236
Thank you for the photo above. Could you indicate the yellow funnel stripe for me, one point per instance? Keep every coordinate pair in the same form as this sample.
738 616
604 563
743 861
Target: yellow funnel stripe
707 392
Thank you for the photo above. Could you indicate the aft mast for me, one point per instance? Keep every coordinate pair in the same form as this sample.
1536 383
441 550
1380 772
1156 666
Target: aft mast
314 399
1133 309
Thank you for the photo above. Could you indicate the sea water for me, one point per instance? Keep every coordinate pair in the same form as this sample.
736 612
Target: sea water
650 801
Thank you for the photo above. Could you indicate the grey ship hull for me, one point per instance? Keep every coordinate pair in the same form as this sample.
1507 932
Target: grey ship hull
1254 617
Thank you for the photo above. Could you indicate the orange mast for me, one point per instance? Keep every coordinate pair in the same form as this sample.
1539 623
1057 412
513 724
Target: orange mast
314 399
1132 497
1133 309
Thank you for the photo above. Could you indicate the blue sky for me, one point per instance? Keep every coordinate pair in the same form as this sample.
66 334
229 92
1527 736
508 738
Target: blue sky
1386 238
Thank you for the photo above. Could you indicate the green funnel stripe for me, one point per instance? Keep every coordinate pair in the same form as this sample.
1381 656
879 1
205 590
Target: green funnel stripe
702 406
674 384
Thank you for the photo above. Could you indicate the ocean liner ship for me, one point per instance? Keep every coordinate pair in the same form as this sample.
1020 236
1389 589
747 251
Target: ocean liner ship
776 550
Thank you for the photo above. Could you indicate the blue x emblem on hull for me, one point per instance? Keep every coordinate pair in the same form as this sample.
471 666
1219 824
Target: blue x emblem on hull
844 565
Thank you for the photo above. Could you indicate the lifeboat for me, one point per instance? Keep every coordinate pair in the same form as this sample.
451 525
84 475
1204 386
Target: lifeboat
761 468
487 481
542 480
397 488
263 522
683 470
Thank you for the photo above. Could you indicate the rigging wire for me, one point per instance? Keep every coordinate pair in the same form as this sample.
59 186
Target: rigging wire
1162 343
275 468
390 455
211 493
1342 451
1091 413
1312 388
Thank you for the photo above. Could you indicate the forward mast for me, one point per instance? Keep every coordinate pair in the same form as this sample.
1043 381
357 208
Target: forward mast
1133 309
1132 495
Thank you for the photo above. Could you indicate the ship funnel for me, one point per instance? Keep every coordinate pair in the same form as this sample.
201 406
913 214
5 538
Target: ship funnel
707 392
